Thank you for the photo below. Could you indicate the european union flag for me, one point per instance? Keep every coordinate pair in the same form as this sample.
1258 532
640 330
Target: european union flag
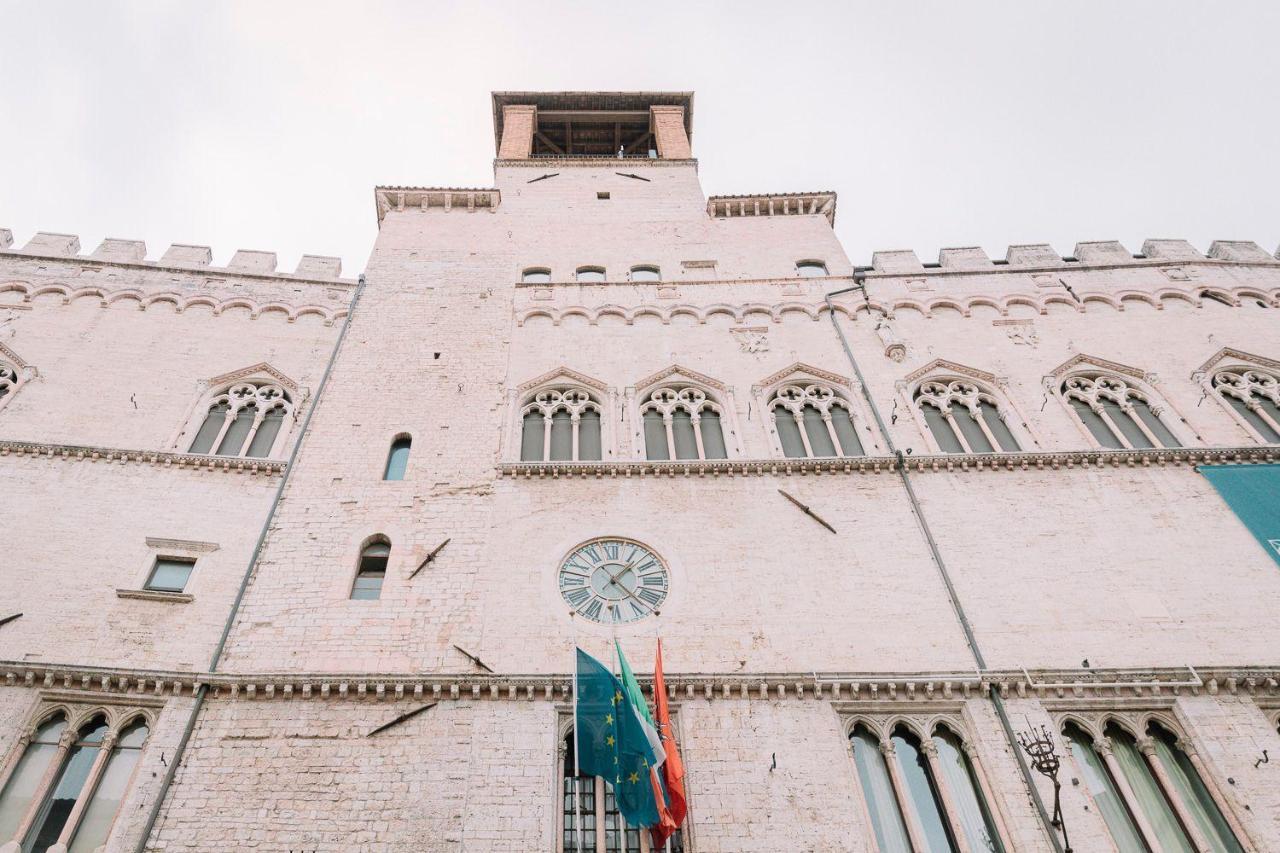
612 741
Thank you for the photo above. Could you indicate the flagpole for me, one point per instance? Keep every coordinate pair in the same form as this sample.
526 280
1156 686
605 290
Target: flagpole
577 797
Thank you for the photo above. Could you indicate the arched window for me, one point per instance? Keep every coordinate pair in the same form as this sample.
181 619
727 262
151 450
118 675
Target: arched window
561 425
963 418
23 786
536 275
813 421
591 274
1166 802
907 786
681 422
811 269
67 788
646 273
95 823
602 828
1115 413
243 420
8 378
371 570
397 458
1254 394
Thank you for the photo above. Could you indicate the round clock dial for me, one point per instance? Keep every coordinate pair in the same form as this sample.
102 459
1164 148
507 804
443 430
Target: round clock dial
613 580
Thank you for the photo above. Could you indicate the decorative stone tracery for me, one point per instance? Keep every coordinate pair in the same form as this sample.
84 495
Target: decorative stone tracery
1248 387
248 413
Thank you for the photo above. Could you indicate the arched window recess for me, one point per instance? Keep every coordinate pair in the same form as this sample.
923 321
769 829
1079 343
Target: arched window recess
680 414
960 410
1114 405
1248 388
248 413
811 413
562 416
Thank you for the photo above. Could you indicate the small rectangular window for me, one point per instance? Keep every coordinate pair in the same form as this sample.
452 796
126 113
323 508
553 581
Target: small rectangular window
602 195
170 574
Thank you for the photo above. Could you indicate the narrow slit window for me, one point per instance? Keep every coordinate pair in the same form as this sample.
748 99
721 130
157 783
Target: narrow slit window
398 459
371 571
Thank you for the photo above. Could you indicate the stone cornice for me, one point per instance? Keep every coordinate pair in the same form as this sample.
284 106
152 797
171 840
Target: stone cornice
167 459
1262 682
773 204
589 162
949 462
400 199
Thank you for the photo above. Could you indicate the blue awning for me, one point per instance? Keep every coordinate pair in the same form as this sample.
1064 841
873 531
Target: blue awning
1253 493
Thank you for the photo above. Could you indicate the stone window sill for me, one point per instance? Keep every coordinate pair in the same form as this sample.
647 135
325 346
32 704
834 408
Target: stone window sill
156 595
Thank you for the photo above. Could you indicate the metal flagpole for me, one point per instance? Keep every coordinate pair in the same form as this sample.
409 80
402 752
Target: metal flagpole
577 780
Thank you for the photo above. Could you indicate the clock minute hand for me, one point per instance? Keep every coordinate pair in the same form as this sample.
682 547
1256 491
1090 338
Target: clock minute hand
613 579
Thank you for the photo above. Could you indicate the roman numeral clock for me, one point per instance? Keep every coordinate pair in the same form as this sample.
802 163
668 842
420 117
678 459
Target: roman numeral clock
613 581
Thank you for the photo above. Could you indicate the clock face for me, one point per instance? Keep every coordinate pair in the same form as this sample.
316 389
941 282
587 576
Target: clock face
612 580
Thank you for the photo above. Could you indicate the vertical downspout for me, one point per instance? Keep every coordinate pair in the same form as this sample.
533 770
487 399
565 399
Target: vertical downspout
956 606
203 690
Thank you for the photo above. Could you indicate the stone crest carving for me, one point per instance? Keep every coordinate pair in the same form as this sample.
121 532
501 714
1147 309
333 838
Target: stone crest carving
751 339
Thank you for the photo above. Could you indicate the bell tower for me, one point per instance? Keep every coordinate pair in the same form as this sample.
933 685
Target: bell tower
593 125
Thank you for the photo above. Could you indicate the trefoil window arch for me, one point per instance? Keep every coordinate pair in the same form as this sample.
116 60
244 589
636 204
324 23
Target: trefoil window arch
681 421
923 793
561 423
244 418
813 420
1254 395
66 782
1117 414
963 416
1151 790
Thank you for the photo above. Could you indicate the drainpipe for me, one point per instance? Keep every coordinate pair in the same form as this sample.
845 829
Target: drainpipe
202 691
859 278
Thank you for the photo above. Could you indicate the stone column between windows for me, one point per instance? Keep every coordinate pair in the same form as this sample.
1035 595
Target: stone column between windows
930 751
91 781
1148 748
1130 799
915 831
518 123
988 793
51 772
668 130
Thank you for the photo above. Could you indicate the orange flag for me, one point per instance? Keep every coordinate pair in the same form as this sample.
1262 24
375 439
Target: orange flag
672 770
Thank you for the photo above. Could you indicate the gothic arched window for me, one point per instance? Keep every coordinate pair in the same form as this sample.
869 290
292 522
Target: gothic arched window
812 420
243 420
1149 790
682 422
1254 394
561 425
1116 414
963 417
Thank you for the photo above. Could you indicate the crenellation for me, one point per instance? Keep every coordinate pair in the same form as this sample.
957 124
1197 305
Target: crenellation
6 238
252 260
112 249
184 255
1103 252
1033 255
968 258
319 266
1238 250
898 261
52 243
1172 250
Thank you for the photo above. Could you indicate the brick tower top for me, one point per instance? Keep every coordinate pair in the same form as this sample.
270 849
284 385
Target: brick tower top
593 125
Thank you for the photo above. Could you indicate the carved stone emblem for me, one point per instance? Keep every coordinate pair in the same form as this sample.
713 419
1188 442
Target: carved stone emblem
1021 332
751 339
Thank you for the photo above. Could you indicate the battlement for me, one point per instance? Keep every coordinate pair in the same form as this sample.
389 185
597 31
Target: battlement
770 204
1099 253
49 244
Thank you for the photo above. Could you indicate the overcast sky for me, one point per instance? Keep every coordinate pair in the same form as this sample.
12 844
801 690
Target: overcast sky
267 125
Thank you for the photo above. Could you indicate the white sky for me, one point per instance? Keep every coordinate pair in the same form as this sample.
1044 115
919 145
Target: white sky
266 125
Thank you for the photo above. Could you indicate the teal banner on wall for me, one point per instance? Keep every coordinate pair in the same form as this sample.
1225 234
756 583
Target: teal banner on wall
1253 493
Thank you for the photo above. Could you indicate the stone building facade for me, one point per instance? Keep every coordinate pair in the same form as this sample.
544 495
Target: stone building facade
289 549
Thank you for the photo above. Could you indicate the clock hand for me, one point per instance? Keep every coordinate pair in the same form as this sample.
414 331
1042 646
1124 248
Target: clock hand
614 580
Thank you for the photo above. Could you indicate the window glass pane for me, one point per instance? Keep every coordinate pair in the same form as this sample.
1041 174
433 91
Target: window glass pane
1096 425
877 790
958 775
1103 790
655 437
209 430
531 437
98 817
612 822
645 274
973 434
536 276
846 431
398 459
561 436
1157 427
371 572
995 423
265 438
920 788
816 429
590 274
170 575
788 433
367 588
942 432
811 269
682 432
1146 790
712 435
589 436
1254 420
21 787
1271 409
53 815
1125 424
233 440
1193 793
